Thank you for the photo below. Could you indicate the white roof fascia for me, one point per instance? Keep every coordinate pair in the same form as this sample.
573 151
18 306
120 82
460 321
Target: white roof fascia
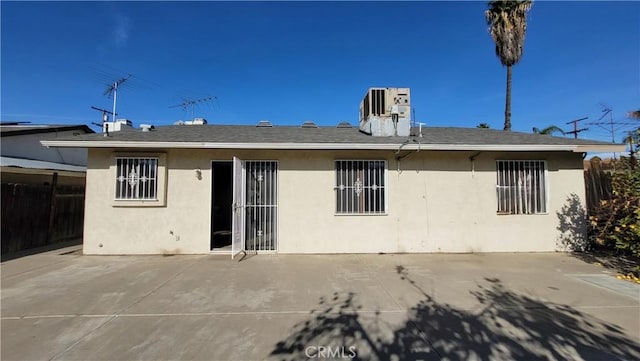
332 146
601 148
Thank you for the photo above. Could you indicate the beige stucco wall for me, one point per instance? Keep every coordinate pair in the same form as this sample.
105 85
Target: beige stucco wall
435 204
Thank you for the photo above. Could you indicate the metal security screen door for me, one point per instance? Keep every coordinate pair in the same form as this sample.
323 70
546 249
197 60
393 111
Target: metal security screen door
238 209
261 205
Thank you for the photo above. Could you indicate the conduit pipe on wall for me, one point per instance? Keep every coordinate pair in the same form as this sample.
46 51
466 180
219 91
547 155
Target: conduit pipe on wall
473 163
397 152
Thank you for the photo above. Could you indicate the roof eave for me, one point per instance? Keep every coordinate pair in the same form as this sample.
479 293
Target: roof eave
43 130
336 146
601 148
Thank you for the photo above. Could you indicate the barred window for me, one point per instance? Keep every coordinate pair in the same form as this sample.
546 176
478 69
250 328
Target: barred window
521 186
136 178
360 187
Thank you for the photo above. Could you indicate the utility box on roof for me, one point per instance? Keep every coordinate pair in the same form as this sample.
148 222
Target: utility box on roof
386 112
118 125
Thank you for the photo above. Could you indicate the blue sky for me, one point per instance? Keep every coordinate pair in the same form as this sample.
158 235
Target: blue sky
294 61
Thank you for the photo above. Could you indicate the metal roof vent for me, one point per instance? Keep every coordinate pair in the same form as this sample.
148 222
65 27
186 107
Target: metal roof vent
147 127
264 124
196 121
344 125
309 124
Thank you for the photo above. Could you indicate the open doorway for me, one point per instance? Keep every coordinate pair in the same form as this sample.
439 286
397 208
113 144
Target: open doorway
221 205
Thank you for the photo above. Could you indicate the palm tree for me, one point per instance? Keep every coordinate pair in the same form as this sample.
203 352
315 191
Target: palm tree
548 130
507 20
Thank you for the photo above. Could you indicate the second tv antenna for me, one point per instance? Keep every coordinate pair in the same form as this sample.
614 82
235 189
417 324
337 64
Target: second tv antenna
190 104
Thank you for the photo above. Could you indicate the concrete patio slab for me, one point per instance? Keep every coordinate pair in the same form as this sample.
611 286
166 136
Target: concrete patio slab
291 307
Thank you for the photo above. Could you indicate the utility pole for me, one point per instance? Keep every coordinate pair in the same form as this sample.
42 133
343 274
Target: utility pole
575 130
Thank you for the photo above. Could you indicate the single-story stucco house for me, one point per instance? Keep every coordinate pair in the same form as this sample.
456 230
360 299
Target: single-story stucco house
383 186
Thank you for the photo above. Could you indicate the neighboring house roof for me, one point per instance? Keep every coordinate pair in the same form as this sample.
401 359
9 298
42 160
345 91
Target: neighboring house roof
13 129
38 164
22 141
289 137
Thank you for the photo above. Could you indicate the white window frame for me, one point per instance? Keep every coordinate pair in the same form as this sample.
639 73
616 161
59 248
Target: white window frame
341 188
521 198
160 179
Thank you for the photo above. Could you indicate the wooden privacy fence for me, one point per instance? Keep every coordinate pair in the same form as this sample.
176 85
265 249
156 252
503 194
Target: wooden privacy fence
37 215
597 186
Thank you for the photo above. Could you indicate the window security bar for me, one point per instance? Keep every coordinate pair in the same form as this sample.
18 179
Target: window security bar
360 187
521 187
136 178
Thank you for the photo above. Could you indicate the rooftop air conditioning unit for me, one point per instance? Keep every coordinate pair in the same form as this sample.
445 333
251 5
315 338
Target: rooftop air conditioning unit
386 112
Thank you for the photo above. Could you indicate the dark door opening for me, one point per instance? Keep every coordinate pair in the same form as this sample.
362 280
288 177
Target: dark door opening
221 205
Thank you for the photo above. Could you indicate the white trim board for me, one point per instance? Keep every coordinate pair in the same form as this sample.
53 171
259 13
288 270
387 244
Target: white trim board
337 146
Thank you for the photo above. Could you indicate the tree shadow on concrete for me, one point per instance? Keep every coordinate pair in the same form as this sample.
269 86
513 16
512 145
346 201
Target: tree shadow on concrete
504 325
572 225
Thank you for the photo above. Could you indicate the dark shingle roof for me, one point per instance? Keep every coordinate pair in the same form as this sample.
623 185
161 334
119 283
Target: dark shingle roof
12 129
324 135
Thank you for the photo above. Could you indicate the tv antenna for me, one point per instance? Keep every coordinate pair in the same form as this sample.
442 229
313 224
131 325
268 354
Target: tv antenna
610 126
190 104
112 89
606 110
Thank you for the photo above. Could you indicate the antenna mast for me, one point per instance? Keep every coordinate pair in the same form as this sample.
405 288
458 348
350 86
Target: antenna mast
113 89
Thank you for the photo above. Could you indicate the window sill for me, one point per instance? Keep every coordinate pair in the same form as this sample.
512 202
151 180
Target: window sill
360 214
520 214
138 203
